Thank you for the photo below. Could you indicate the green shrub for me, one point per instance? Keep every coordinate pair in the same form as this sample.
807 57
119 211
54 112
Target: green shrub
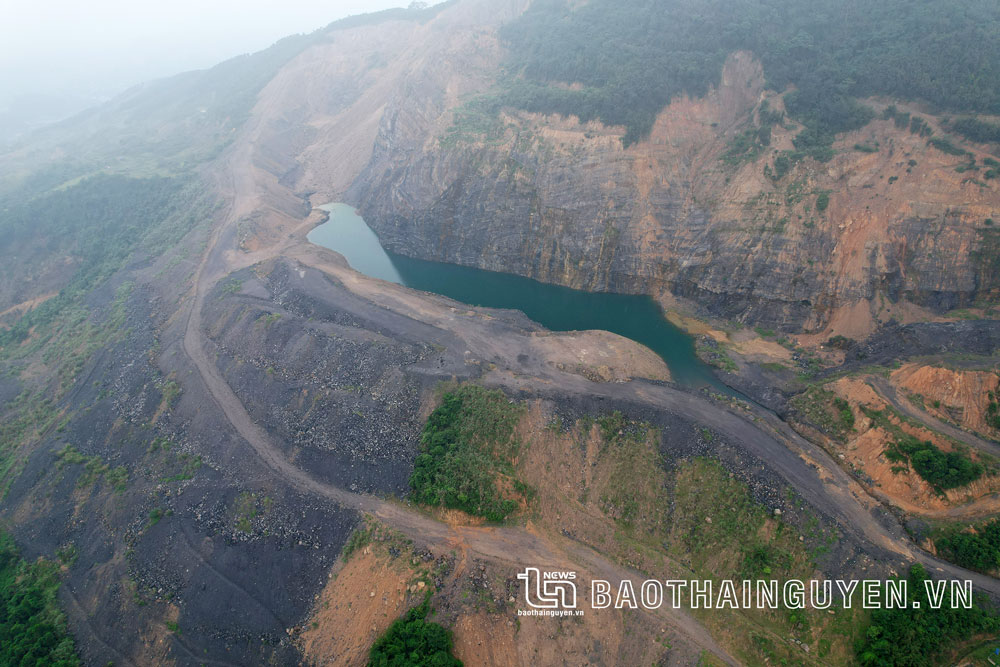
919 126
413 641
844 412
782 165
977 130
993 412
839 342
747 145
822 201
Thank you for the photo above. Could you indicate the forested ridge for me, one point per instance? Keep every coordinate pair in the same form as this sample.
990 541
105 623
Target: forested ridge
98 223
632 57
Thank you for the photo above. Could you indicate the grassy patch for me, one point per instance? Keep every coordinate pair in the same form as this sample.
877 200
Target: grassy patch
171 392
715 514
722 532
634 493
231 286
176 466
713 353
359 539
247 507
826 411
155 515
468 450
844 413
94 469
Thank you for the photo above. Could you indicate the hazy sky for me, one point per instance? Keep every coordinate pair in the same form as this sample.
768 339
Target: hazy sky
99 47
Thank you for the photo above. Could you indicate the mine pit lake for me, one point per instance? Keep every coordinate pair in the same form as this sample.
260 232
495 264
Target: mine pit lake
555 307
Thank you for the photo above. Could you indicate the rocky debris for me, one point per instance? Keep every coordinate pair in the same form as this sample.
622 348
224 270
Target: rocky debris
335 389
894 342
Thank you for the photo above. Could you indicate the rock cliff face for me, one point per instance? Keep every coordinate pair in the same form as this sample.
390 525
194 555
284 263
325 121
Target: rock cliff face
385 117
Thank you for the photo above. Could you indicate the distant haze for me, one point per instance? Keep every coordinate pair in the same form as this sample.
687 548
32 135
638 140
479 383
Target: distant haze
60 56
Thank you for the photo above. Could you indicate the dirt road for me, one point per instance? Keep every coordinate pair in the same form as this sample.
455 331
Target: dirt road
769 438
504 544
885 389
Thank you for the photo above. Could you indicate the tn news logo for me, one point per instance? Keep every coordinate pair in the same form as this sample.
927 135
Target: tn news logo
549 590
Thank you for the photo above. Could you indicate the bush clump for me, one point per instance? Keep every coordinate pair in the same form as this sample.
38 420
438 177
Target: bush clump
413 641
993 412
844 412
942 470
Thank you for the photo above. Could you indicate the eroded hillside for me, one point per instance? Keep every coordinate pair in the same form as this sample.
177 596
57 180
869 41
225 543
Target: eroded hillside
213 436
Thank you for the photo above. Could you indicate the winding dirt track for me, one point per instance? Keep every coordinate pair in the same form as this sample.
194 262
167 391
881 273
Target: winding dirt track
504 544
884 388
770 439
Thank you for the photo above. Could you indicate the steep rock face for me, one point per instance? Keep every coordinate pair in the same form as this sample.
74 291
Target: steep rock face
563 202
385 117
555 200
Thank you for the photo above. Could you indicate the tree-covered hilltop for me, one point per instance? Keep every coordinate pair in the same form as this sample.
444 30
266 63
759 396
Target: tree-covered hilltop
632 57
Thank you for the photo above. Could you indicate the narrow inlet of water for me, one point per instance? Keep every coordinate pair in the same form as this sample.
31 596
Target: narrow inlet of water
555 307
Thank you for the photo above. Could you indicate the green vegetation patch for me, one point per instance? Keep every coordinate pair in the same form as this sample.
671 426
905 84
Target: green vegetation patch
630 59
977 551
467 454
973 129
922 636
635 494
946 146
716 517
32 628
414 641
993 412
94 469
942 470
247 507
98 223
747 145
825 410
822 201
721 531
844 413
